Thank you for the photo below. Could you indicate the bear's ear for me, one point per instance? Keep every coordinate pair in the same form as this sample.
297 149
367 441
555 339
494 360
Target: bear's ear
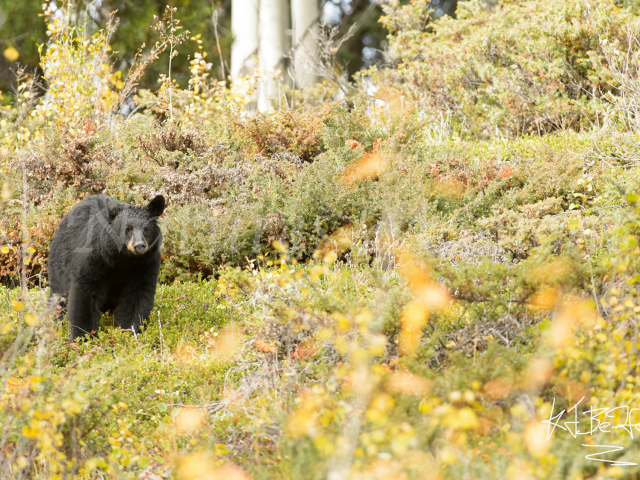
156 206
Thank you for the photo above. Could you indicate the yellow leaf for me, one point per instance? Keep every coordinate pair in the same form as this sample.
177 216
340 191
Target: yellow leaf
330 257
324 445
463 419
6 189
190 419
30 319
408 383
535 437
324 334
342 346
378 345
279 246
414 317
5 249
448 456
301 423
11 54
433 296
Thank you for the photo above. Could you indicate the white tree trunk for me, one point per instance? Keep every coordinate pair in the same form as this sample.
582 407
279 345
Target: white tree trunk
304 20
244 25
273 25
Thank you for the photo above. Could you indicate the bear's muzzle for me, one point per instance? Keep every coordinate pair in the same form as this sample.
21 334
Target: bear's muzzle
137 244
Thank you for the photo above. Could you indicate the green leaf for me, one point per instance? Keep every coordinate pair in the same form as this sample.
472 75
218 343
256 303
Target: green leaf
634 279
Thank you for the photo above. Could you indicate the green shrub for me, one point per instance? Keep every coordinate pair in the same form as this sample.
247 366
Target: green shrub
490 78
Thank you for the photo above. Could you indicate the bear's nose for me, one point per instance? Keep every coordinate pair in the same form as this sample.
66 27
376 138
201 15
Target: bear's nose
140 247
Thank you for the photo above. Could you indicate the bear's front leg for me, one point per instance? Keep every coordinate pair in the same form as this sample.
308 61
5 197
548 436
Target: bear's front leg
83 312
136 302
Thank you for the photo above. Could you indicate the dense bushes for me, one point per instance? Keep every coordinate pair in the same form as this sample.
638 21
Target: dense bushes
230 205
494 79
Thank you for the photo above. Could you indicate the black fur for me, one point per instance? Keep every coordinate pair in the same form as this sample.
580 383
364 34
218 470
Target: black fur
105 256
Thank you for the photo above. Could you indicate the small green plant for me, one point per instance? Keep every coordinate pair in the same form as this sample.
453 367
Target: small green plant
169 29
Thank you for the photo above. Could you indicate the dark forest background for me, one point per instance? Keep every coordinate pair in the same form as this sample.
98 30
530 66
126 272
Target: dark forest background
19 30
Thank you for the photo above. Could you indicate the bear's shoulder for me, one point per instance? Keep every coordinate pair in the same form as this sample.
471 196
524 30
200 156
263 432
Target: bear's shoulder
100 200
98 204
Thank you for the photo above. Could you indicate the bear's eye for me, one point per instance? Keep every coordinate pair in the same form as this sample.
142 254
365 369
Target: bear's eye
128 229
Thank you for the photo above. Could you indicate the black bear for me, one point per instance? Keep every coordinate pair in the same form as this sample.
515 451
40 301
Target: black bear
105 256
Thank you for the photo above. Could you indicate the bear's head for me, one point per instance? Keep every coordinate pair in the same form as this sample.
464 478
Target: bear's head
137 226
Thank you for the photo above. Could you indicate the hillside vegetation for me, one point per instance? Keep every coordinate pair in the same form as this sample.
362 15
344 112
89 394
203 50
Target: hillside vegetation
399 278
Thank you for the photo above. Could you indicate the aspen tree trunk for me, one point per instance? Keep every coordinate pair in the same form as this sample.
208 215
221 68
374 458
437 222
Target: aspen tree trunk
244 25
304 22
273 24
